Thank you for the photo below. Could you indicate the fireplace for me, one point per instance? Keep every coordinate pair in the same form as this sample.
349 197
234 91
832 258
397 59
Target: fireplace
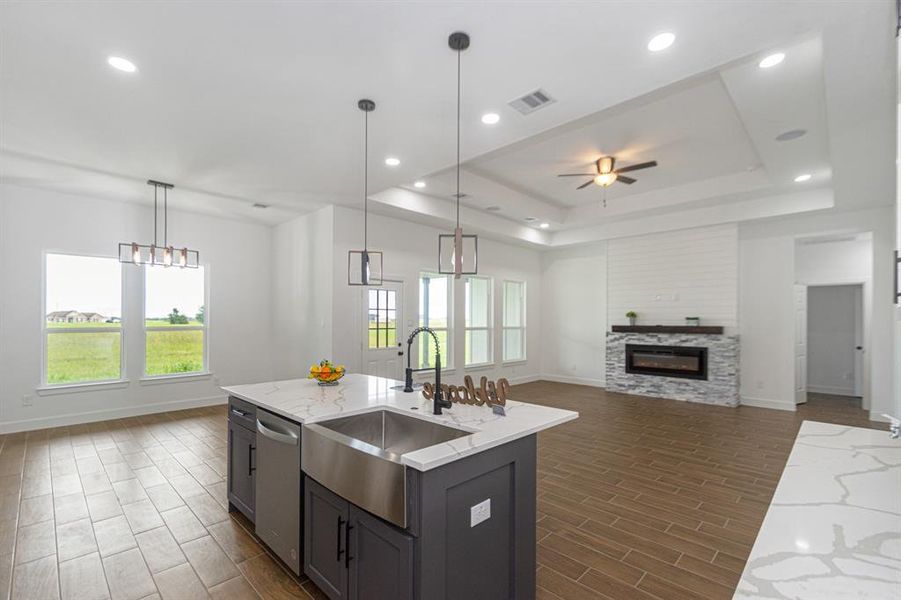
667 361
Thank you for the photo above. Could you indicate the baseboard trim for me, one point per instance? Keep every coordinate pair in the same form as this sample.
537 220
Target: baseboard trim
832 391
601 383
108 414
524 379
765 403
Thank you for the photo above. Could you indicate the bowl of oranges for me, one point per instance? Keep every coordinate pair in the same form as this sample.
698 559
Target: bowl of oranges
325 373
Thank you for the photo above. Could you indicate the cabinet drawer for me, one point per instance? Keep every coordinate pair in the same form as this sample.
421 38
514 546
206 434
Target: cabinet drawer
242 412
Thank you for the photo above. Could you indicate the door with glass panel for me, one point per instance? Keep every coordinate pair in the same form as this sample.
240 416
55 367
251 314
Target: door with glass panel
383 337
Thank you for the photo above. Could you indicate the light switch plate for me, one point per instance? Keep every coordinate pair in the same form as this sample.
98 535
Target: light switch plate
480 512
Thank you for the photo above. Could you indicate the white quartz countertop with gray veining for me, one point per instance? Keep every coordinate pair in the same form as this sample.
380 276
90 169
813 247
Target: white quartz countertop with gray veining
833 529
304 401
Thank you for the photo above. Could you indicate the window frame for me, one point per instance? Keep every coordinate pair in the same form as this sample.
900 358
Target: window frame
448 363
47 331
205 370
489 328
522 327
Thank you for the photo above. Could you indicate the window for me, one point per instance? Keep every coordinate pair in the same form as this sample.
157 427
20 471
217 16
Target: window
434 313
175 321
82 319
478 336
514 320
382 318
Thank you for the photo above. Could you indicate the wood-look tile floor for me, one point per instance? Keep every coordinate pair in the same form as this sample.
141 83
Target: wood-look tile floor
640 498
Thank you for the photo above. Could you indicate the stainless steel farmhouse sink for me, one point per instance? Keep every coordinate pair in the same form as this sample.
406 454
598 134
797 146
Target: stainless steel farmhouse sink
359 457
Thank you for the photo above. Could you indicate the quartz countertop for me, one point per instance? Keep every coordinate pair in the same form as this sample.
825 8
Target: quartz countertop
304 401
833 529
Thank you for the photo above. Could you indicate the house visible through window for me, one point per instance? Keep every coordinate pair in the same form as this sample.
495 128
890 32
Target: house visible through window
175 321
83 319
382 318
434 313
514 338
478 321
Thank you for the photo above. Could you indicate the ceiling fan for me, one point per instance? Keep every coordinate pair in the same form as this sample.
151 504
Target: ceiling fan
606 175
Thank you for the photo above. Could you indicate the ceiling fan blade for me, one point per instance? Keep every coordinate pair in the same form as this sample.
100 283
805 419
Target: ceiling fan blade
624 179
586 184
644 165
577 175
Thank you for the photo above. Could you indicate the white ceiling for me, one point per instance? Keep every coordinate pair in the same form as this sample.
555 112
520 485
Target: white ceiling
242 102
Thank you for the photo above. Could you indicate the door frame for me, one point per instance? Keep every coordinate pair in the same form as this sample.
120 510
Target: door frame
362 307
866 312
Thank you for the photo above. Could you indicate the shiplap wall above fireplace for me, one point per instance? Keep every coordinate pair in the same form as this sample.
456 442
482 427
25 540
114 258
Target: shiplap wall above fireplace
669 276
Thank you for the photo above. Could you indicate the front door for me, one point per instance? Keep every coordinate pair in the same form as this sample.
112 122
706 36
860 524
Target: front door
383 336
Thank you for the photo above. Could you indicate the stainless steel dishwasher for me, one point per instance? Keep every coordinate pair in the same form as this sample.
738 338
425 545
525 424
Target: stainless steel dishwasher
278 487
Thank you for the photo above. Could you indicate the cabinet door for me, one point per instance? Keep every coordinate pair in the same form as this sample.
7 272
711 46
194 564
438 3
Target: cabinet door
241 469
381 559
325 539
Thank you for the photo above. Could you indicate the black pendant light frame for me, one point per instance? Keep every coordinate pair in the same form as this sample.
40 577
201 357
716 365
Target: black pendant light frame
154 254
365 259
458 42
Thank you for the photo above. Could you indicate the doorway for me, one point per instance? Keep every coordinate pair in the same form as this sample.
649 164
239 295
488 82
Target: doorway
835 341
383 334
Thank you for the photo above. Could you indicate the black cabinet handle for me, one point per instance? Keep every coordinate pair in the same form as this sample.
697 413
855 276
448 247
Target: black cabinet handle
250 467
347 556
338 540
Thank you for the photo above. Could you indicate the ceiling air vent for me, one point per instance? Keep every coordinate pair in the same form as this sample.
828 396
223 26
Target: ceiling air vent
460 196
531 102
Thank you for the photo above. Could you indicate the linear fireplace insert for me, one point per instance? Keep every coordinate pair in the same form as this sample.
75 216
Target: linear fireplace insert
667 361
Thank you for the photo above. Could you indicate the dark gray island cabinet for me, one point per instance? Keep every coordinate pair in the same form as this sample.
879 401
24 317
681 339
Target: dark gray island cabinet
374 498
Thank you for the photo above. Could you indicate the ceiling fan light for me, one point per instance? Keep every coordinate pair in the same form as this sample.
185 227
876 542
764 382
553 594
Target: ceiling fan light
605 179
605 164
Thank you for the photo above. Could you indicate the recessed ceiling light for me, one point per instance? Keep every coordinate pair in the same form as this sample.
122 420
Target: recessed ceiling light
661 41
802 178
491 118
791 134
771 61
545 225
123 64
419 184
392 161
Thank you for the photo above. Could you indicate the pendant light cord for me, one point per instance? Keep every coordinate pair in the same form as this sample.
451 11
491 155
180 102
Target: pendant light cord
166 217
459 52
365 181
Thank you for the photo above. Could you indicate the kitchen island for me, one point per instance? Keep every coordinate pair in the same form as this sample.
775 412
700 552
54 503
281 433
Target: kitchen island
833 529
372 496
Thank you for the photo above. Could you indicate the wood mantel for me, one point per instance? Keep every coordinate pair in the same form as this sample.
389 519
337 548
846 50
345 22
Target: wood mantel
698 329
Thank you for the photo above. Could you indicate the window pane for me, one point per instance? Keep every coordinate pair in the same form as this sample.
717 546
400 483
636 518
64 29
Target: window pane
513 344
174 297
78 357
427 349
478 301
176 351
83 291
477 347
433 301
513 301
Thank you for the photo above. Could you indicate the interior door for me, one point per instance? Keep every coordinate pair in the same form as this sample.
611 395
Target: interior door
800 343
383 336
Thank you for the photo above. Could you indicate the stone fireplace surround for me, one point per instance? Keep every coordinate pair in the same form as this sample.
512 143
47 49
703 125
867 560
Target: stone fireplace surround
721 386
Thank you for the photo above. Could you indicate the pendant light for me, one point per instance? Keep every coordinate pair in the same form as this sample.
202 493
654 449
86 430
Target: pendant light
458 254
364 267
154 254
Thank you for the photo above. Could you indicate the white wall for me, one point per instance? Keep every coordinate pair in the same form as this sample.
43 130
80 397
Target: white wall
302 275
832 322
666 277
574 315
236 255
766 315
410 249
